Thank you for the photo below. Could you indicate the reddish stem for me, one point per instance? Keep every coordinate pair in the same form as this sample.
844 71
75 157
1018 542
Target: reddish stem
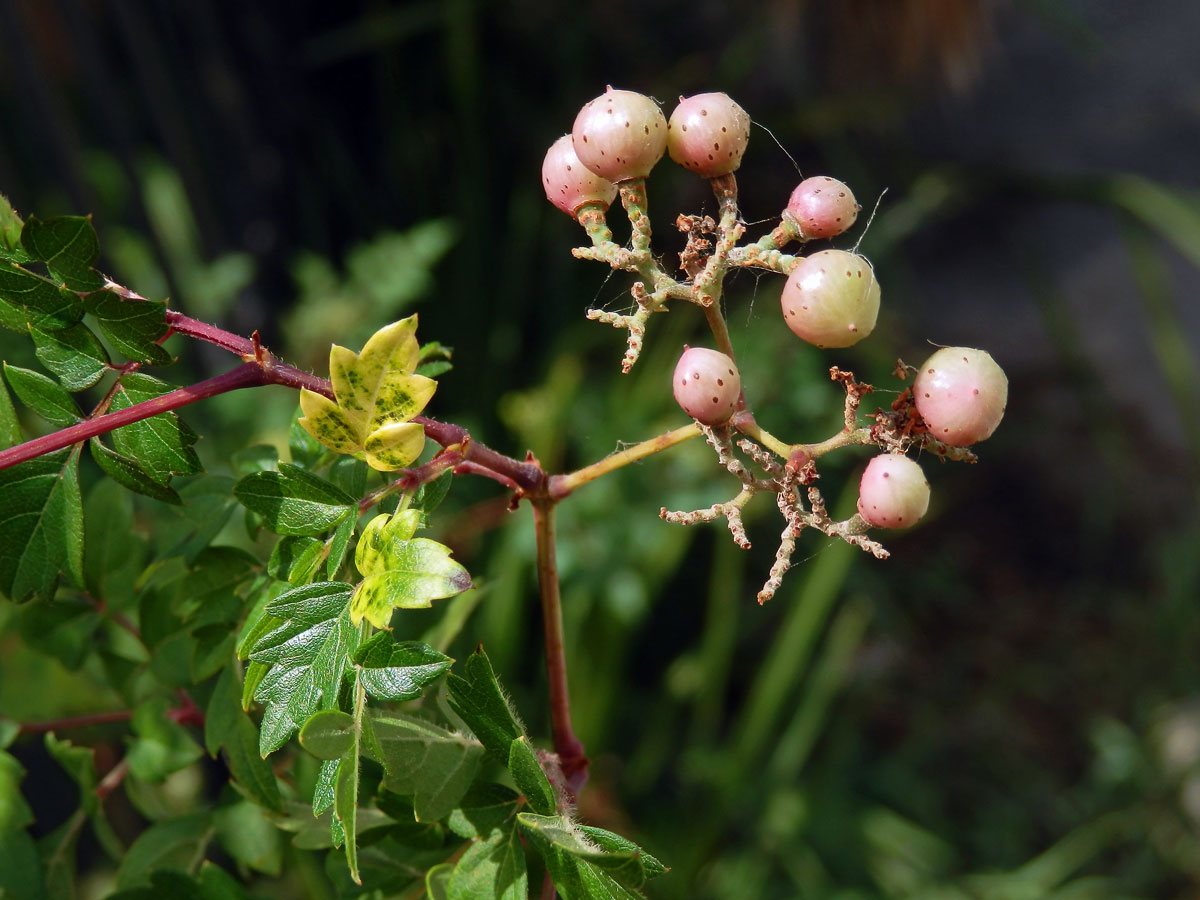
64 724
572 759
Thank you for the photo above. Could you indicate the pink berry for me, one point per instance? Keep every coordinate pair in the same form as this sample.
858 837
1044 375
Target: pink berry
568 183
893 492
822 207
706 385
620 135
831 299
961 394
708 134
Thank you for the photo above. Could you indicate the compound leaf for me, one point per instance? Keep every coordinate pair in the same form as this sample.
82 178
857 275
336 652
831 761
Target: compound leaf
127 473
476 698
400 571
28 299
308 654
493 868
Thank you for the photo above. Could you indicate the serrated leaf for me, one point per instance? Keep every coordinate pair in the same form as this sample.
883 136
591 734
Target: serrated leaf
476 697
493 868
133 327
581 871
306 450
127 473
323 790
43 395
400 571
308 655
485 808
172 843
10 428
161 444
226 726
391 670
530 778
376 393
329 734
68 246
293 501
74 354
41 524
433 765
28 299
429 496
589 856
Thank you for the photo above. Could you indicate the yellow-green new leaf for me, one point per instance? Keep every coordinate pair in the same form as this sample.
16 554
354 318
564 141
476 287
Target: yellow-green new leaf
328 423
394 446
400 571
376 393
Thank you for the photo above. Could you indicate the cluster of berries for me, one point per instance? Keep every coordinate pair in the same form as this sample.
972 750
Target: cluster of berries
830 298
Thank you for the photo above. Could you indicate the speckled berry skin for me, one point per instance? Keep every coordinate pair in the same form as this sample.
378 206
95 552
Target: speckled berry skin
961 393
831 299
620 135
707 385
568 183
822 207
708 134
893 492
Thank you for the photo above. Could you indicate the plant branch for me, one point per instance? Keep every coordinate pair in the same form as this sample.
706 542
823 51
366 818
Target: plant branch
70 722
562 485
572 758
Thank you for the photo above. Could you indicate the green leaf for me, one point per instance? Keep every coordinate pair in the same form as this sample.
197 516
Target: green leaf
68 246
323 790
27 299
493 868
433 765
305 449
345 806
329 734
437 881
612 843
581 870
174 843
20 867
338 545
15 813
43 395
10 226
391 670
127 473
308 655
293 501
207 505
295 558
377 393
64 630
161 444
133 327
10 428
161 745
430 495
485 808
401 572
246 834
226 726
476 697
74 354
80 764
41 524
530 778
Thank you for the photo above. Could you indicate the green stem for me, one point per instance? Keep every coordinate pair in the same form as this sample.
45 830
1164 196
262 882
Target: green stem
562 485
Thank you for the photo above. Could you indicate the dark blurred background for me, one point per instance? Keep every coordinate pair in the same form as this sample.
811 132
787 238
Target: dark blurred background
1010 706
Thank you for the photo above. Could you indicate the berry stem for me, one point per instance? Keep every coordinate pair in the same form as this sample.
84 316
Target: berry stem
633 198
562 485
572 759
592 217
746 424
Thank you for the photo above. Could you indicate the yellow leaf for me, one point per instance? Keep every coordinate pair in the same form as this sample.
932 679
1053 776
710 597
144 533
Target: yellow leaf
394 446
